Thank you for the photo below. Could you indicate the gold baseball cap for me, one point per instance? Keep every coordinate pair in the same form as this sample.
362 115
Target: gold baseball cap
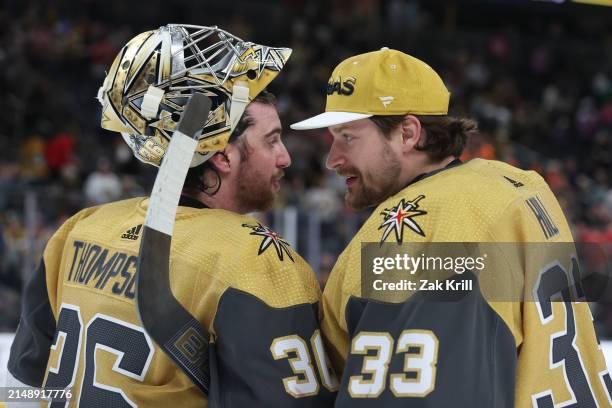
384 82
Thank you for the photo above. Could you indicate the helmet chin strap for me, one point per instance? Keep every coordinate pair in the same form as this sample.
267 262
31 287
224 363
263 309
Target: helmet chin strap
239 102
240 99
151 101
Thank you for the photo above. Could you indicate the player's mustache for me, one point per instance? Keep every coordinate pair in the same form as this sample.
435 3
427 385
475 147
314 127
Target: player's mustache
348 171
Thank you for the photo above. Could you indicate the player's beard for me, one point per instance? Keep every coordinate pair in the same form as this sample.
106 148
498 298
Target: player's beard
374 185
254 189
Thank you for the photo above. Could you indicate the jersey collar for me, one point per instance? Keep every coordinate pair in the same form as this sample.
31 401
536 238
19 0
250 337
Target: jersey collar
191 202
422 176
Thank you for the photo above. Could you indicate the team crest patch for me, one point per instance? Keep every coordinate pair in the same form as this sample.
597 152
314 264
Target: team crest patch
400 216
270 238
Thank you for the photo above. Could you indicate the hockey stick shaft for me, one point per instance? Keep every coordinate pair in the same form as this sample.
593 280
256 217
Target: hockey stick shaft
169 324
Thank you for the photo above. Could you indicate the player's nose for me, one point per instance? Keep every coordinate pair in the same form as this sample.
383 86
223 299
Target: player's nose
284 158
335 158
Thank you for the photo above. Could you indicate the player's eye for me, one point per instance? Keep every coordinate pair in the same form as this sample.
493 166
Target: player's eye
347 138
273 140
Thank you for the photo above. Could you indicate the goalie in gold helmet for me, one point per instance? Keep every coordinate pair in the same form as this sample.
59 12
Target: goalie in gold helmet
253 293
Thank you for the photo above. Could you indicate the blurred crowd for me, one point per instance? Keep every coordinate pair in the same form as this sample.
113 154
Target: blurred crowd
537 77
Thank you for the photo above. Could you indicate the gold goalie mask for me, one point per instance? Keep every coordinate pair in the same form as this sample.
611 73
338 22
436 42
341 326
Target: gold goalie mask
155 74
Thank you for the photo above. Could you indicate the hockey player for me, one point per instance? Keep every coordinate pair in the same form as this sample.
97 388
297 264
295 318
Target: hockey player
254 294
503 344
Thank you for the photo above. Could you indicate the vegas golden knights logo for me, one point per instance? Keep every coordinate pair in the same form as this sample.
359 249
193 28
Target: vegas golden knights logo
132 233
400 216
270 239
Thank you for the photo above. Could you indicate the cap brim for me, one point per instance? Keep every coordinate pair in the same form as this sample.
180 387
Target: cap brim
327 119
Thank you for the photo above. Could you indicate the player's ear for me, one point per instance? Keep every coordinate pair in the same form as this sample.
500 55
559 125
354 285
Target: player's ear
411 133
222 161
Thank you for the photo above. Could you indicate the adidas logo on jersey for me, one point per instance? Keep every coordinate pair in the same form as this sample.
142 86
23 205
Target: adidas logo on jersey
132 233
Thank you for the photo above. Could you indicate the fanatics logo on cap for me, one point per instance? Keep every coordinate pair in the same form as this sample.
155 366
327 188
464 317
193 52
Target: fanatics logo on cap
132 233
386 100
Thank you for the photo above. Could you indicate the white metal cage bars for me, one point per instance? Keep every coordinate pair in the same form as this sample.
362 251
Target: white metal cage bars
215 58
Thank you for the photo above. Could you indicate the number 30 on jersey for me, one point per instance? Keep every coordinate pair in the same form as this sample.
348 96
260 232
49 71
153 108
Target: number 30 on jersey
304 383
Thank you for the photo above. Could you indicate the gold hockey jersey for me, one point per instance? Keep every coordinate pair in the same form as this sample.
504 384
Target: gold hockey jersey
256 296
520 338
